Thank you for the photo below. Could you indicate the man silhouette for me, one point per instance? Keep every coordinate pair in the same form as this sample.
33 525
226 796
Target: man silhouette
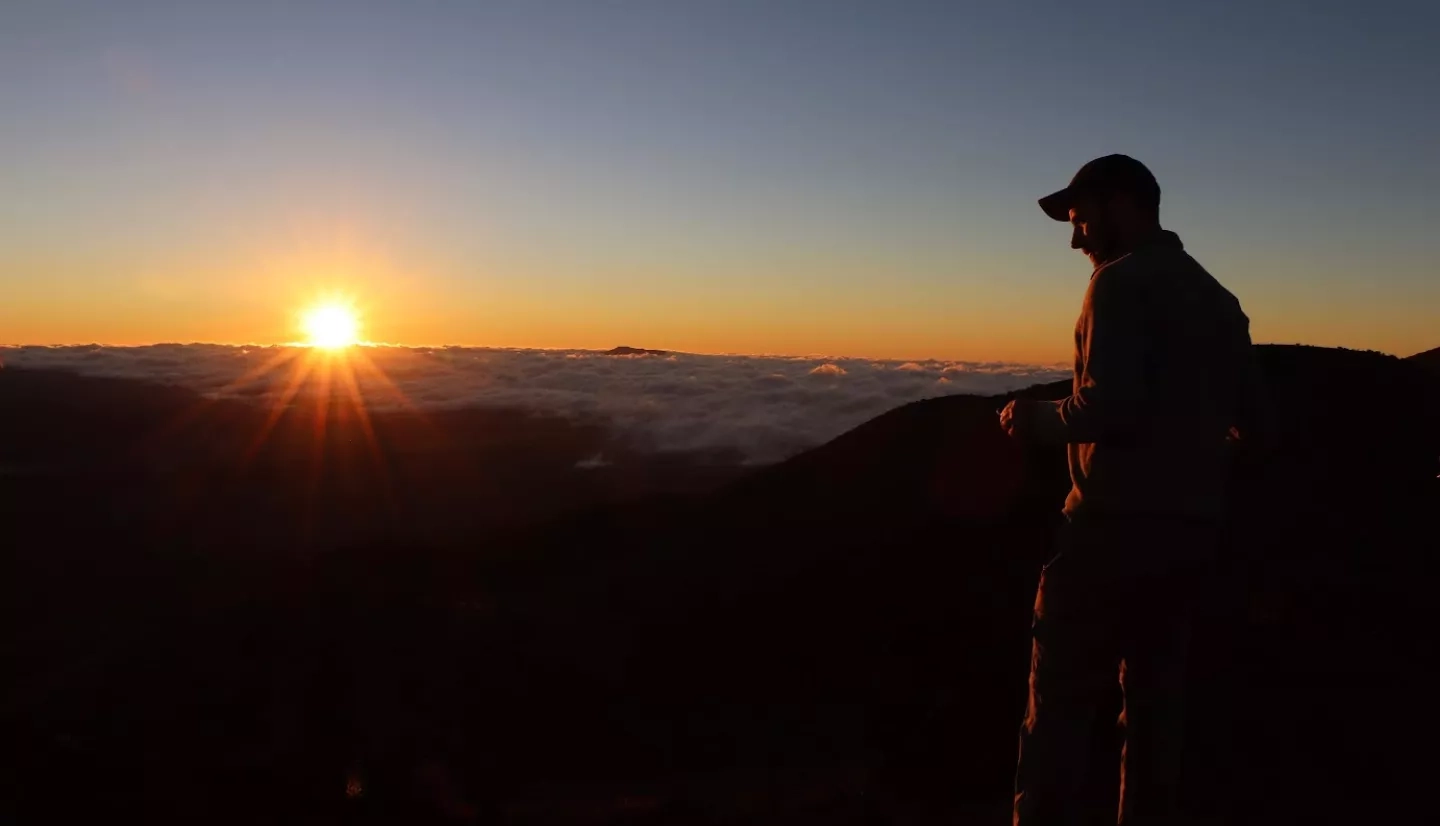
1163 371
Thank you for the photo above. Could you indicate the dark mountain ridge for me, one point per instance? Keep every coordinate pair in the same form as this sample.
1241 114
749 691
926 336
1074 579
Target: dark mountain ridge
1430 359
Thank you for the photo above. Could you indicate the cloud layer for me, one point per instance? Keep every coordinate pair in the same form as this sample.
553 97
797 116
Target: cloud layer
763 407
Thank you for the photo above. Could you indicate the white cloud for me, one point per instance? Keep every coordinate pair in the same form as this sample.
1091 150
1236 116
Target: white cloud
764 407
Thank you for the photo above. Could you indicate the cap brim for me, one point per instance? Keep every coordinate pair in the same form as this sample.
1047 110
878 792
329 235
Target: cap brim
1057 205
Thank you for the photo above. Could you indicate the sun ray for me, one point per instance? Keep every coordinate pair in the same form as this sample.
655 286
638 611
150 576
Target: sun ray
319 423
275 362
362 417
300 369
203 406
357 402
374 372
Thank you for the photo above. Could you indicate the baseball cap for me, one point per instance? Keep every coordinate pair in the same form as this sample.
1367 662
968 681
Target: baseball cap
1109 175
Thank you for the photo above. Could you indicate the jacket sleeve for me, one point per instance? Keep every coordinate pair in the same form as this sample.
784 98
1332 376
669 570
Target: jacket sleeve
1109 403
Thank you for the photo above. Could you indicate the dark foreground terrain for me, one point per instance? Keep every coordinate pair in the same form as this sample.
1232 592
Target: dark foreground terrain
453 622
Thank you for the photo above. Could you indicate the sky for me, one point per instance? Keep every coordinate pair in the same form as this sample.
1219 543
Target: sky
831 177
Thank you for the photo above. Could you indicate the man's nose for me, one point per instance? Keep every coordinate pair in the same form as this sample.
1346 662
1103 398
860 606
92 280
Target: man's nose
1077 239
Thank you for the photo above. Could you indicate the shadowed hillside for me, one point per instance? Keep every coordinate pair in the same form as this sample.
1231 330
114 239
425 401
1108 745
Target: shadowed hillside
316 474
838 637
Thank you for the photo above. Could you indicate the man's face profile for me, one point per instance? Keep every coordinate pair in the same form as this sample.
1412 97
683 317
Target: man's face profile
1091 231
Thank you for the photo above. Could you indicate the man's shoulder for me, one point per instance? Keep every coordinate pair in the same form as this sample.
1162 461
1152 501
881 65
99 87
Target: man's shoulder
1157 277
1149 260
1148 272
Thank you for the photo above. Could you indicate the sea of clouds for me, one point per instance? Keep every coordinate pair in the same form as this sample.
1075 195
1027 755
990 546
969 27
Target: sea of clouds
764 407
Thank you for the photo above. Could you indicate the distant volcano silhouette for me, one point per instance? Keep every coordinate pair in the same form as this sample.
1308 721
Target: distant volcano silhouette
635 351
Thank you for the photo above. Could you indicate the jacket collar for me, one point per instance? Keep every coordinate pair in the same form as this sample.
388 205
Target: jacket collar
1160 239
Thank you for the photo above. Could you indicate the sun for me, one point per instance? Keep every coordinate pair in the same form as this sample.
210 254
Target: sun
330 326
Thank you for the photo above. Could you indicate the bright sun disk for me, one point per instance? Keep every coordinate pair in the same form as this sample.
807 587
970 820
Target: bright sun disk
330 326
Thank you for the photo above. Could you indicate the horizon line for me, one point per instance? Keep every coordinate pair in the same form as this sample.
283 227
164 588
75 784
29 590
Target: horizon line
666 351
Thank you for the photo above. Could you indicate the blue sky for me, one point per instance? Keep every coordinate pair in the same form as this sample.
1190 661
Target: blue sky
804 177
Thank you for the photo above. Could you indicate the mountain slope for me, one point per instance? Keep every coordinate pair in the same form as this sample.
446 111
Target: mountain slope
1430 359
862 608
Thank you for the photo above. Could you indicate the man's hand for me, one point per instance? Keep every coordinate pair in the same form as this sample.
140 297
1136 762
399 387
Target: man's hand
1014 418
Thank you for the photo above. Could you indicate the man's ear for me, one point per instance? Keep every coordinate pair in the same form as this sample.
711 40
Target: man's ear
1127 210
1119 206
